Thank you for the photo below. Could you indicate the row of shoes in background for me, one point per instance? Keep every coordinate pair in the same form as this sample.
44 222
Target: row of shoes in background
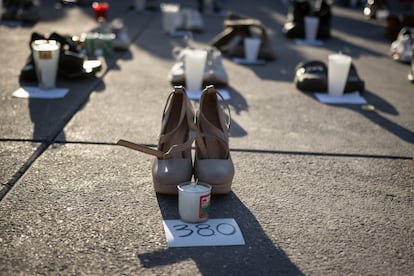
21 10
28 10
399 27
402 49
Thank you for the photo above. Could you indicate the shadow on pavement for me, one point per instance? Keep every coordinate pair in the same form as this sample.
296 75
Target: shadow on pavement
259 256
49 116
375 117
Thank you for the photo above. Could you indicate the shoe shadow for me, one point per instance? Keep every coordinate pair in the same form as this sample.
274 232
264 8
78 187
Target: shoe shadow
258 256
381 105
238 104
49 117
375 117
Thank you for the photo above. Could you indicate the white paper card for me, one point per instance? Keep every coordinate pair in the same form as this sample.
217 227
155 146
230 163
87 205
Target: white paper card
213 232
195 95
37 92
247 62
309 42
346 98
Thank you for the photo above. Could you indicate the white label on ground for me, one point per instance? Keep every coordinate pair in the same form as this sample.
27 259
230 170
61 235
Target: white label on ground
213 232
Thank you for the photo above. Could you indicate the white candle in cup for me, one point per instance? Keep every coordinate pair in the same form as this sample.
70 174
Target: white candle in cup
195 63
338 70
171 17
194 201
46 59
311 27
251 48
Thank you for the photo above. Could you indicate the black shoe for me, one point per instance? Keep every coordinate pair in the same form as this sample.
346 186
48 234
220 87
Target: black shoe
312 76
72 64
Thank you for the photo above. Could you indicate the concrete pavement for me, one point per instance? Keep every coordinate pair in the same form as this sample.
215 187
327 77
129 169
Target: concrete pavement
319 189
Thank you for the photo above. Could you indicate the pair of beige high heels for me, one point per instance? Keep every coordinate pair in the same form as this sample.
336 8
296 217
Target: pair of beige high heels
180 127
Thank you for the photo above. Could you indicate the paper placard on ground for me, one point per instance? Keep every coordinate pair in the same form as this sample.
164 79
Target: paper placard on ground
195 95
249 62
309 42
213 232
38 93
346 98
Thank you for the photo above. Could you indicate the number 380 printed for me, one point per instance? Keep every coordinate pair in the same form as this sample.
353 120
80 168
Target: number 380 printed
204 229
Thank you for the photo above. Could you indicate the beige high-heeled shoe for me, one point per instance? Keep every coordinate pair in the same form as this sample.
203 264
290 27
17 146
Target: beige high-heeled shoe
173 164
213 164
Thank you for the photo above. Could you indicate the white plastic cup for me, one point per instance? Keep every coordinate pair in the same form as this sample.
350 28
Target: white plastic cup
338 69
171 17
311 27
194 64
251 48
194 201
46 59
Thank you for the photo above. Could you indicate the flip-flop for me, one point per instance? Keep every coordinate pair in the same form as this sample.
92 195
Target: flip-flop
312 76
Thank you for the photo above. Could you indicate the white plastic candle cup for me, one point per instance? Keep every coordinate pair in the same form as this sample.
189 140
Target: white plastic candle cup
194 201
311 27
338 69
194 64
46 59
251 48
139 5
171 17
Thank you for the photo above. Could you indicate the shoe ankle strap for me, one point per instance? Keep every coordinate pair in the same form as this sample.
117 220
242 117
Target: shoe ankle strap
155 152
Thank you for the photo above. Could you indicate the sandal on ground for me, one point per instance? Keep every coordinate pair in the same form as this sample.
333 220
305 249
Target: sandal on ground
213 163
173 162
230 41
312 76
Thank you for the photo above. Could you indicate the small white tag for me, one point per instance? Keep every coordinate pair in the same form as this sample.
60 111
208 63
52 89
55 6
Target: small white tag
346 98
37 92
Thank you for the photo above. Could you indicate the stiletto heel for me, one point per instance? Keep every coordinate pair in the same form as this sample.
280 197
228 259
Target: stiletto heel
173 164
213 164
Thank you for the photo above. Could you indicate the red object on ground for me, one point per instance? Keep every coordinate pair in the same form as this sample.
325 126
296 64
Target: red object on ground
101 10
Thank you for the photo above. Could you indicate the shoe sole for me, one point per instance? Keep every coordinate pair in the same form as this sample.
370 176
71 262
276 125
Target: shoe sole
172 190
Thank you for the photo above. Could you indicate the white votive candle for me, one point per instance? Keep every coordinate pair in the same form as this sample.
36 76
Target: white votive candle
194 201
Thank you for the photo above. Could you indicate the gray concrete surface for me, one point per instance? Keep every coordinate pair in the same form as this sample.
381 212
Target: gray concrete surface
319 189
